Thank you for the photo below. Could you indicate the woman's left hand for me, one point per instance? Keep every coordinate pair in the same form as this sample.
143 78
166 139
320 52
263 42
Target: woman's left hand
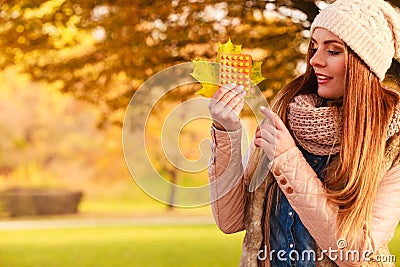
272 135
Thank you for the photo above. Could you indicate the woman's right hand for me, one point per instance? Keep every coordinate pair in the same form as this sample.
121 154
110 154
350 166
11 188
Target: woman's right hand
226 105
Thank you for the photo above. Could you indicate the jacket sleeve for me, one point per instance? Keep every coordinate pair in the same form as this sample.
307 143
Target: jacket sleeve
226 179
307 196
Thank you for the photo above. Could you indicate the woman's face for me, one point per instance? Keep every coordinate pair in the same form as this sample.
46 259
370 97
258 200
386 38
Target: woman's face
328 62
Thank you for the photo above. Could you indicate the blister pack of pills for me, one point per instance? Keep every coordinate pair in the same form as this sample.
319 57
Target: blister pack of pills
235 68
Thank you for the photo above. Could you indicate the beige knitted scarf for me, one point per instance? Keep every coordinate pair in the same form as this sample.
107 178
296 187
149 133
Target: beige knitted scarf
318 129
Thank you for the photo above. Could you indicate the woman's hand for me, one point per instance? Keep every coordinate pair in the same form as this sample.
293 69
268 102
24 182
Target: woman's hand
272 135
225 107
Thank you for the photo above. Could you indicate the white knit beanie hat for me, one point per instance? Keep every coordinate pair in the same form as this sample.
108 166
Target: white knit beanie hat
371 28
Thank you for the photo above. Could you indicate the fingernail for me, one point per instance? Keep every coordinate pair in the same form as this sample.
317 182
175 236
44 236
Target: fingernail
243 93
233 85
262 108
240 87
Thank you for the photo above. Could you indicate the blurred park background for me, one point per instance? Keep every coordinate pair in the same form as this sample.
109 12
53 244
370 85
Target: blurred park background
68 72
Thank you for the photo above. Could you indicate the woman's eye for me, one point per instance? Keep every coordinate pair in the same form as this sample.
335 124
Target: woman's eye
313 50
333 53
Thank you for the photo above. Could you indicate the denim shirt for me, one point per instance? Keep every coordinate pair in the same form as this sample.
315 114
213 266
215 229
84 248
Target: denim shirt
288 236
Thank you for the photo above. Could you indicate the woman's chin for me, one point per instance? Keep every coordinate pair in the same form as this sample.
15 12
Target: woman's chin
328 95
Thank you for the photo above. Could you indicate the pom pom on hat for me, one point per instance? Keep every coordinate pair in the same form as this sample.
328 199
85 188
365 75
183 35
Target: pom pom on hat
371 28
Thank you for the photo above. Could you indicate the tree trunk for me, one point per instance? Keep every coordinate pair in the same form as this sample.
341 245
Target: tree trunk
172 193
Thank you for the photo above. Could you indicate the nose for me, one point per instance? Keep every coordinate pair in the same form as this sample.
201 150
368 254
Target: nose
317 60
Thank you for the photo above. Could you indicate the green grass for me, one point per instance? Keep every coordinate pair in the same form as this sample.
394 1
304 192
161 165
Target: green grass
201 245
127 246
394 246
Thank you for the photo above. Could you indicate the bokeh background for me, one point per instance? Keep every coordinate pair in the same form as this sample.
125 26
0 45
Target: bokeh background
68 72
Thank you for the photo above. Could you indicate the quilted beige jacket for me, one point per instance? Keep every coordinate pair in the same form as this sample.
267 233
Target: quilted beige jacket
305 193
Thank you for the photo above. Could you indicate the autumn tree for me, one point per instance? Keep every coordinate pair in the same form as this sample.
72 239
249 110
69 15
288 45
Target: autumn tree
101 51
46 138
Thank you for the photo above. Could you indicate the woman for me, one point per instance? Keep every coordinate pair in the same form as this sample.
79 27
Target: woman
332 196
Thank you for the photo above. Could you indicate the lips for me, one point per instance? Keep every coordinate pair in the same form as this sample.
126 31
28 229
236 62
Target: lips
322 78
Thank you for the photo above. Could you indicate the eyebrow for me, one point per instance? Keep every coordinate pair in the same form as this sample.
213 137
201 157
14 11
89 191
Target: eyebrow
328 41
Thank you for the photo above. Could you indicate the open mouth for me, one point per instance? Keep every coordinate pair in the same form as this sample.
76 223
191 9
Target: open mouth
323 78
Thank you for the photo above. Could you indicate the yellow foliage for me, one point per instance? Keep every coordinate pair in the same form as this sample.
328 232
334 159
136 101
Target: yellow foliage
48 138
